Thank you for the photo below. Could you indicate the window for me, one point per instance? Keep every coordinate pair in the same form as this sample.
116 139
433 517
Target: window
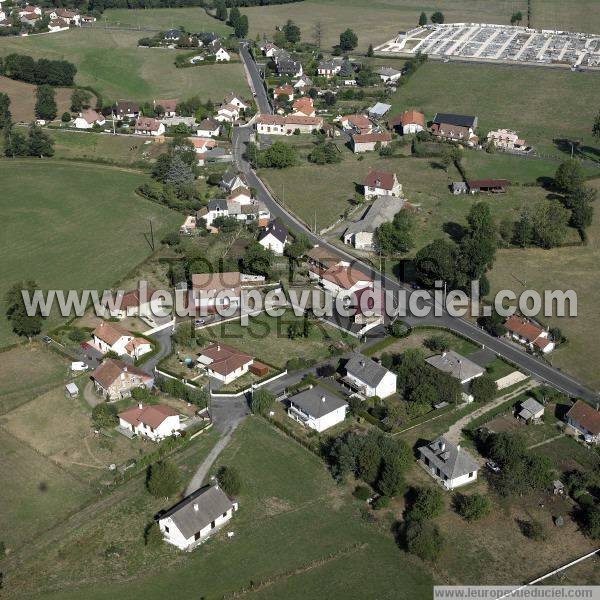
224 514
166 529
212 525
197 535
472 474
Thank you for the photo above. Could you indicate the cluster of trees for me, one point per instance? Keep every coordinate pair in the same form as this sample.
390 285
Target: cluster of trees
35 143
348 40
239 22
45 102
262 401
174 387
437 17
396 237
104 416
42 71
23 324
300 330
278 156
325 153
422 536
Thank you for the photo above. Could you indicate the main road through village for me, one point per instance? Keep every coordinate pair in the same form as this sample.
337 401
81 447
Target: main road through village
514 354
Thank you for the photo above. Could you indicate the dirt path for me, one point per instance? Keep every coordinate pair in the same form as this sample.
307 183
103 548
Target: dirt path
544 442
90 396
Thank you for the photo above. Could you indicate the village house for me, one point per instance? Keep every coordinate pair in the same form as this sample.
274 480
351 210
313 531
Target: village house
127 110
585 420
274 237
228 113
340 278
217 207
477 186
366 310
283 90
330 68
303 107
288 66
367 142
148 126
448 463
368 377
202 147
221 55
241 195
381 183
208 128
506 139
268 49
459 128
88 118
169 107
410 121
320 258
172 35
58 25
154 422
188 227
388 75
303 82
317 408
224 363
457 366
356 123
197 517
527 333
531 411
212 290
134 305
232 98
280 125
114 379
110 337
233 179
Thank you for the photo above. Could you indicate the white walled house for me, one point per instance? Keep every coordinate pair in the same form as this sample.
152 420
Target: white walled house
208 128
114 379
274 238
317 408
367 142
148 126
221 55
381 183
109 337
585 420
369 377
224 363
448 464
197 517
88 118
135 304
340 278
228 113
280 125
236 100
527 333
154 422
212 290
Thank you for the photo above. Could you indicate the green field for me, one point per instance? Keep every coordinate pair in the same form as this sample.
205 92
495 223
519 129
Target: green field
191 19
72 226
110 62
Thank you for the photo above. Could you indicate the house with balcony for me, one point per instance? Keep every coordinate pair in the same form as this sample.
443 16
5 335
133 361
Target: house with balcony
317 408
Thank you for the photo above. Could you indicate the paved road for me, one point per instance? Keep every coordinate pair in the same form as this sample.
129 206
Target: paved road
527 363
256 82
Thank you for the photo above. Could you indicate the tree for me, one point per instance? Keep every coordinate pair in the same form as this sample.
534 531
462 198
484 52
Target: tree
229 480
427 504
438 343
241 27
392 481
422 19
399 329
348 40
550 220
437 17
5 115
472 508
523 231
534 530
15 143
437 261
179 173
424 539
234 16
66 117
370 51
484 388
258 260
291 32
596 126
40 143
262 401
278 156
326 153
104 416
221 10
23 323
80 99
591 521
569 176
45 104
581 204
516 18
396 237
493 324
163 479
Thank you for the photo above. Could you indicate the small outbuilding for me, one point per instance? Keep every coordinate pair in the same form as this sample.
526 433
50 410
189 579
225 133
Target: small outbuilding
71 390
531 411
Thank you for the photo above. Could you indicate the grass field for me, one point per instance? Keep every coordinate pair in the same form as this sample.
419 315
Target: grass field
582 15
111 63
72 226
191 19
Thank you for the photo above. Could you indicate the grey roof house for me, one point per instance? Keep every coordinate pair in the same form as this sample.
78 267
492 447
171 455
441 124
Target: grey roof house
458 366
378 110
369 377
531 410
317 408
448 463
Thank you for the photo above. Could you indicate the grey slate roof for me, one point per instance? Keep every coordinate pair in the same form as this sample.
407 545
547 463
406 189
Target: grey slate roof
211 502
382 210
217 204
276 229
379 109
208 124
453 461
458 120
529 408
388 71
456 365
366 369
317 402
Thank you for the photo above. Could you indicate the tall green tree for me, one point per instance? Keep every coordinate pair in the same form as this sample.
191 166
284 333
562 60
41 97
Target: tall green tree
45 104
569 176
348 40
422 19
241 27
40 143
80 99
396 237
15 143
221 10
438 261
478 246
292 32
437 17
5 115
550 220
24 323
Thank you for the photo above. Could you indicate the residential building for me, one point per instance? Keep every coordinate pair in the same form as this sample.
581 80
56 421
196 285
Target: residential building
388 75
356 123
340 278
172 35
228 113
457 366
268 49
303 82
68 17
233 179
154 422
330 68
288 66
283 90
506 139
202 147
366 308
531 335
169 106
241 194
280 125
224 363
197 517
321 258
212 290
585 420
88 118
366 142
303 107
531 411
208 128
274 237
115 379
127 110
133 304
378 110
381 183
460 128
410 121
215 208
148 126
448 463
370 378
237 101
110 337
221 55
317 408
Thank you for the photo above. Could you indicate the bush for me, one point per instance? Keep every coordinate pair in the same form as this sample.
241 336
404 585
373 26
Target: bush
104 416
78 335
424 539
362 492
381 502
484 388
229 480
428 503
163 479
152 535
399 329
472 507
438 343
534 530
262 401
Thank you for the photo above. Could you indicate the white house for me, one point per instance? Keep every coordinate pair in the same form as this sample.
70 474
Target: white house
388 74
196 517
148 126
274 237
531 411
110 337
381 183
208 128
134 303
585 420
367 142
88 118
280 125
233 179
221 55
225 363
410 121
330 68
268 49
283 90
369 377
458 366
356 123
527 333
212 290
447 463
506 139
154 422
242 195
340 278
317 408
232 98
228 113
303 82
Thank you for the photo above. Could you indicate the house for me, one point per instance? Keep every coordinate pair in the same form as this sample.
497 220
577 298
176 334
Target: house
283 90
585 420
110 337
57 25
232 179
340 278
221 55
388 74
531 411
459 187
381 183
320 258
30 19
70 17
303 82
214 209
169 106
127 109
274 237
527 333
197 517
88 118
172 35
268 49
241 195
493 186
188 226
330 68
154 422
317 408
459 128
361 233
115 379
356 123
212 290
232 98
30 10
303 107
134 304
228 113
378 110
366 142
202 146
288 66
457 366
224 363
506 139
208 128
369 377
148 126
410 121
447 463
280 125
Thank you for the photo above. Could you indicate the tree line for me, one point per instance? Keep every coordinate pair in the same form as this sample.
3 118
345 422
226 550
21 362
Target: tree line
43 71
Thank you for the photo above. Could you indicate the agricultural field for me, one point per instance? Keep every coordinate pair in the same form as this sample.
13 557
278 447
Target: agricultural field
374 22
75 226
555 14
110 62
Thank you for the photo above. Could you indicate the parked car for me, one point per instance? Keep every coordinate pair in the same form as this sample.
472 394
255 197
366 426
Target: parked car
492 466
46 339
199 322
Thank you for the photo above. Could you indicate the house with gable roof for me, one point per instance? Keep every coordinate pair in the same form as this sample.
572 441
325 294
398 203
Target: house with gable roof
448 463
155 422
224 363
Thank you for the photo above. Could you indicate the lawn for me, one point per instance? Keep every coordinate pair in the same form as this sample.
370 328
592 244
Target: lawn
582 15
72 226
111 63
297 535
495 91
374 22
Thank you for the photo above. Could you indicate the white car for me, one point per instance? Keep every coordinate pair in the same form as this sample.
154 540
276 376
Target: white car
79 366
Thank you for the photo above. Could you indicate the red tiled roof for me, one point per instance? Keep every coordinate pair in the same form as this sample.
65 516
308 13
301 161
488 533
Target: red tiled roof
168 105
304 105
365 138
284 89
344 276
379 179
152 415
361 122
135 343
111 369
412 117
147 124
216 282
289 120
586 416
225 359
110 333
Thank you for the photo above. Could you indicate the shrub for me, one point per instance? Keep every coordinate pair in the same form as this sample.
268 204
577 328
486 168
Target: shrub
534 530
381 502
428 503
78 335
229 480
152 535
472 507
424 539
362 492
163 479
104 415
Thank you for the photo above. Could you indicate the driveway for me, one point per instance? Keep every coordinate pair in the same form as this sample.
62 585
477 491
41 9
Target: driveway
90 395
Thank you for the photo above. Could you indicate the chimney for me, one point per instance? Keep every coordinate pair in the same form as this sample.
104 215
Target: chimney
140 405
362 363
125 369
444 354
323 399
218 348
196 507
443 446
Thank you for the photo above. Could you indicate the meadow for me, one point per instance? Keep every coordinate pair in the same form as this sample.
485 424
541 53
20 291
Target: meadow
110 62
75 226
